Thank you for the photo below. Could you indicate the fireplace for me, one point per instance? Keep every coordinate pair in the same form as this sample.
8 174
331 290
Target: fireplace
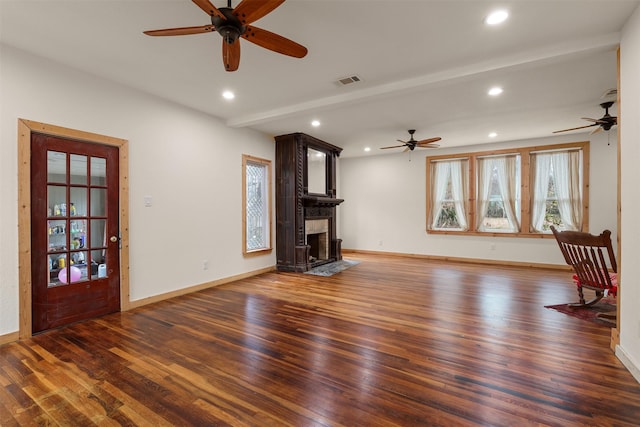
306 203
317 238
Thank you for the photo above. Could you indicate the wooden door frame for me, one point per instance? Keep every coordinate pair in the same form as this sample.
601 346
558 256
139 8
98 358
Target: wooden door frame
25 129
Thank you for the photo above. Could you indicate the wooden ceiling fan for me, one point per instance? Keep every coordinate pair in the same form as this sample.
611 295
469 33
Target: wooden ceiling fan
411 144
232 24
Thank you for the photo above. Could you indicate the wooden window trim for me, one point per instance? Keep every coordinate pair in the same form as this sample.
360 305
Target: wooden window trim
525 183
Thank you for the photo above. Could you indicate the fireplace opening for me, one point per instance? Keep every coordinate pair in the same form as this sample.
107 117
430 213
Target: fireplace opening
317 238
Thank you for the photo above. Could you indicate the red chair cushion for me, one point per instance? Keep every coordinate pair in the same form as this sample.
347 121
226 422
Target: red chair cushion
614 283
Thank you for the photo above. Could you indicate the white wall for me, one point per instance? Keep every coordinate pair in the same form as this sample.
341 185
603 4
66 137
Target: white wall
385 205
629 347
189 162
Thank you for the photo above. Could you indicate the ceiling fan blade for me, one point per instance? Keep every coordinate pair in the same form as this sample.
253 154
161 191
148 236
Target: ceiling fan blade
590 119
231 55
393 146
249 11
209 8
181 31
399 140
579 127
428 145
428 141
406 149
274 42
596 130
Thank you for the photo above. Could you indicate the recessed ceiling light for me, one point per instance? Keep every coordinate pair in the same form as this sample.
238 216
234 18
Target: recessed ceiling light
367 149
315 123
495 91
227 94
496 17
493 135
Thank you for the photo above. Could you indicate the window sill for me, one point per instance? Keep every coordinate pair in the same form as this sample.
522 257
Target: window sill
493 234
257 252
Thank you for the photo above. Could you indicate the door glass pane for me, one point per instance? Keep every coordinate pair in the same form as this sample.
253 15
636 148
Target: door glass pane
58 270
98 264
56 166
78 201
98 171
98 202
56 200
78 267
78 169
57 235
98 237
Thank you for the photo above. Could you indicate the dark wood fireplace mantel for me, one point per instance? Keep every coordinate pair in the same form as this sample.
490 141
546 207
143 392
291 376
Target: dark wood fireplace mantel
305 193
321 201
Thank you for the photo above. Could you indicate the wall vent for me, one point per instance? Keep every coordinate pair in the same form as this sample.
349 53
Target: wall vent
348 80
611 93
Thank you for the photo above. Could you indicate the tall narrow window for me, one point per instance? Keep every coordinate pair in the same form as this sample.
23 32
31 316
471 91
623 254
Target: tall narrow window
499 193
256 204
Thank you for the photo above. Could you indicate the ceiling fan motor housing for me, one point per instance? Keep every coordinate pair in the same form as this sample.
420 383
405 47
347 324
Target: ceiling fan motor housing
607 119
229 28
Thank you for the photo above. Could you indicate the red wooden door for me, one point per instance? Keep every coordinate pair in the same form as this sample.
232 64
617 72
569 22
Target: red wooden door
74 231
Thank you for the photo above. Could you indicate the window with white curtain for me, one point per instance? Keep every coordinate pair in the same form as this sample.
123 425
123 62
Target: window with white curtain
520 191
557 190
499 193
449 198
256 205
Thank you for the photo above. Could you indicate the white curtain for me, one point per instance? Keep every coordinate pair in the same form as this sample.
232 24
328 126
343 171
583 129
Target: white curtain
485 171
440 177
566 174
507 179
459 192
541 165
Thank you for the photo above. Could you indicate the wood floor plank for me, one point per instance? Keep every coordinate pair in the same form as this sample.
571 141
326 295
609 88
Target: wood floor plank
392 341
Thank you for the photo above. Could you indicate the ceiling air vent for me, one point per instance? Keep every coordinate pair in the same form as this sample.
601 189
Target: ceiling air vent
611 93
348 80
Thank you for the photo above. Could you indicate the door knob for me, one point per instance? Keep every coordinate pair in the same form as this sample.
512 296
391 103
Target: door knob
113 239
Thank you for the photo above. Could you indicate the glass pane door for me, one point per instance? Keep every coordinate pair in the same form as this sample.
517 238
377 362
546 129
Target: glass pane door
76 218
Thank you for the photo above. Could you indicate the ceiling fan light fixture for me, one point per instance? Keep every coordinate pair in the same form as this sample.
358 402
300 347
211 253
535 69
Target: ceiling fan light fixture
496 17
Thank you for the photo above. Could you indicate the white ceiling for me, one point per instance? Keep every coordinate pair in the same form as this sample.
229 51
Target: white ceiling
424 64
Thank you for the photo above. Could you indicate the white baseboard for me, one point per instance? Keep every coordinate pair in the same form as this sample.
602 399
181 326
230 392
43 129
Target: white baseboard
628 362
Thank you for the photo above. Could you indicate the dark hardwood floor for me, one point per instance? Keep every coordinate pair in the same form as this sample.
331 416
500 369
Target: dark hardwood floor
391 341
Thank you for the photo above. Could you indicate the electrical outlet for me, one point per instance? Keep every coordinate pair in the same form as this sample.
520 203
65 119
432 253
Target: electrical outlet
205 264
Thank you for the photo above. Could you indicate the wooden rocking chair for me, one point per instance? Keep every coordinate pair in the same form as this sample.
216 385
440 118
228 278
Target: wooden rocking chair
594 265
